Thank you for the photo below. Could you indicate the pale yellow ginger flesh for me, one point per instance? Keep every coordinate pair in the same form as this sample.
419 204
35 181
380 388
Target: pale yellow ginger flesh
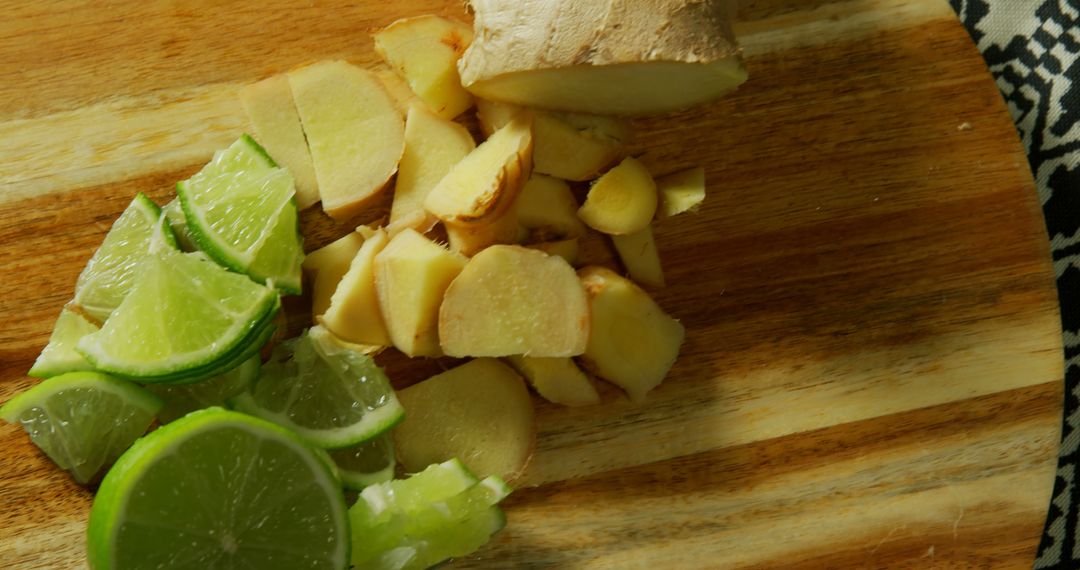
471 238
326 266
632 343
276 123
399 90
411 276
548 210
622 201
479 412
354 313
354 132
638 254
557 380
616 58
483 185
567 146
514 300
567 249
425 51
681 191
432 147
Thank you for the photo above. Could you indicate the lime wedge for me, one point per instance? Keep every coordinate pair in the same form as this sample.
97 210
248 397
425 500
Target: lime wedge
332 396
181 399
418 522
83 420
184 318
174 214
240 209
109 274
59 356
365 464
218 489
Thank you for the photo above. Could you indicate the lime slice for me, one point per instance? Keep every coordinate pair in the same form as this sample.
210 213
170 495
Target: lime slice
109 274
365 464
183 317
181 399
218 489
174 214
418 522
332 396
240 209
59 356
83 420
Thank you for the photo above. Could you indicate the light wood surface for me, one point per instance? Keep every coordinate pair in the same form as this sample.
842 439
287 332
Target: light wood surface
872 371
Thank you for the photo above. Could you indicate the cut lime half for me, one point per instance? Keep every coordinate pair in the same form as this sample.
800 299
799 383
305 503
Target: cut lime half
184 317
332 396
218 489
240 209
83 420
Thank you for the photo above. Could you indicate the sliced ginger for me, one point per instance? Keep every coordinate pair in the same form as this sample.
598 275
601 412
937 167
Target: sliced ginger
327 265
425 51
557 380
479 412
622 201
354 314
513 300
632 342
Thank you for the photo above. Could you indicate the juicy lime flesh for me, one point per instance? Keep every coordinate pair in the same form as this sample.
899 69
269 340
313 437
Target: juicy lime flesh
181 399
334 396
182 313
217 489
366 463
240 209
174 214
59 355
423 520
109 274
83 420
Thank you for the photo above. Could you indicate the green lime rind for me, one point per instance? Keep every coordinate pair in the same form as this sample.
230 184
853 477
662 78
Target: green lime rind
331 395
111 271
183 317
440 513
59 355
367 463
219 489
174 215
260 334
182 399
241 210
83 420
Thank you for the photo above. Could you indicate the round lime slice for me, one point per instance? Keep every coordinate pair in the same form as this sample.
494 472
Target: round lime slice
59 356
240 209
83 420
367 463
110 273
218 489
329 394
183 316
182 399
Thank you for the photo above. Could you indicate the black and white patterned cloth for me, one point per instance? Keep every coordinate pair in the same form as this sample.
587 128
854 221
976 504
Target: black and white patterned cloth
1033 50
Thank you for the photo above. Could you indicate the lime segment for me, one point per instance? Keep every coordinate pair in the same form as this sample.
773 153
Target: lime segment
183 316
83 420
367 463
240 209
109 274
332 396
59 356
218 489
181 399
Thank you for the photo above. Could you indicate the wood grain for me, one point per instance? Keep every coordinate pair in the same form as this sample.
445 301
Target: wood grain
872 373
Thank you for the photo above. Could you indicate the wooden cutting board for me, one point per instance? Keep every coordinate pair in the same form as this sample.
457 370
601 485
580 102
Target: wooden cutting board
872 374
